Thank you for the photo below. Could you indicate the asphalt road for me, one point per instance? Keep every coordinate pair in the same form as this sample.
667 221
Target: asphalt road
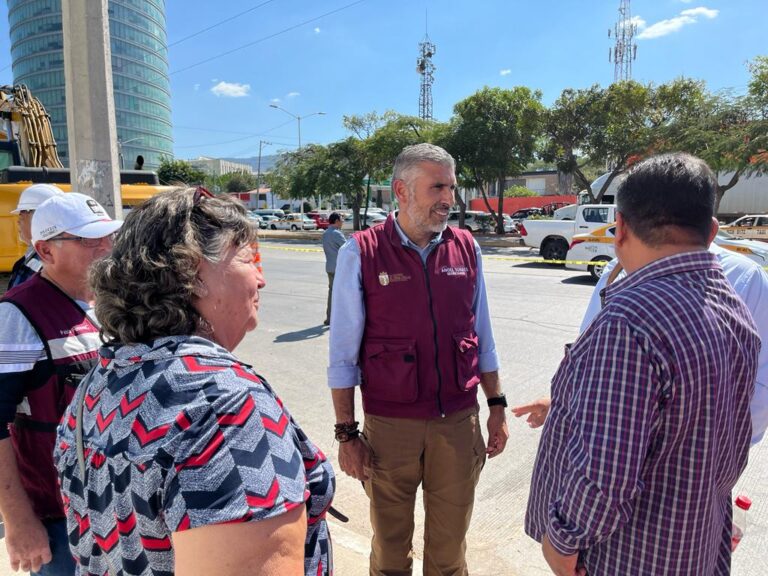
536 309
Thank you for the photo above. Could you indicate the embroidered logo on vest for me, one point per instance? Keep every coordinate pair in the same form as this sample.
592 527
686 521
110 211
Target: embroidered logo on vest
454 270
387 279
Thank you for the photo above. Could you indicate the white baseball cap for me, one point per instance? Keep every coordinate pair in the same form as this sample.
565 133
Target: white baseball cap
34 195
73 213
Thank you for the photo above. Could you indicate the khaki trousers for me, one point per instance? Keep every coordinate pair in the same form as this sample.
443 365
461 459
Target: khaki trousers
445 456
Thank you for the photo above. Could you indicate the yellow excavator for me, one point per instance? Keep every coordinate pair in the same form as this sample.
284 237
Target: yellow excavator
28 155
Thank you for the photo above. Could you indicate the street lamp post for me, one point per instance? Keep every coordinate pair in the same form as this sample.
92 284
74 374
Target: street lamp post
258 174
298 122
297 117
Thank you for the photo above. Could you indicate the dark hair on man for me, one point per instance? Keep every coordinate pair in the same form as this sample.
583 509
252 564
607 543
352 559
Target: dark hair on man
669 199
334 217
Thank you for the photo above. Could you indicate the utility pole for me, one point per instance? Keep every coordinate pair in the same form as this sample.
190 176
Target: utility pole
258 173
91 126
426 69
624 51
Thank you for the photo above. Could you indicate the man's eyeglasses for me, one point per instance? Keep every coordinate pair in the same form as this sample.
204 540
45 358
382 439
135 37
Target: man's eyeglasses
87 242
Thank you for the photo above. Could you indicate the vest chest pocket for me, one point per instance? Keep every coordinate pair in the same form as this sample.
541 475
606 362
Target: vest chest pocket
467 359
390 370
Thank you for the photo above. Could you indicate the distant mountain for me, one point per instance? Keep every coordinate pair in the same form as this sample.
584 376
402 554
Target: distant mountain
267 162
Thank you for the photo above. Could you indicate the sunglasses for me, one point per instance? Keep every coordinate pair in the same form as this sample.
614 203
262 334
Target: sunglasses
87 242
200 193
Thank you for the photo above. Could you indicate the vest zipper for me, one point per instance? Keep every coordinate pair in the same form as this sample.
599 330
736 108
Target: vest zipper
434 337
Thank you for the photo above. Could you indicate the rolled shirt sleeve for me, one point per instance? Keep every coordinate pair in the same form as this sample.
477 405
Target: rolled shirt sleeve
613 416
753 289
488 358
20 349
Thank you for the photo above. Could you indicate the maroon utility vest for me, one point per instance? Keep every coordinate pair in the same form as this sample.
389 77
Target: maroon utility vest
71 344
419 354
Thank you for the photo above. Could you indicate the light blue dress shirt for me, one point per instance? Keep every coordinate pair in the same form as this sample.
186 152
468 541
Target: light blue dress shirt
348 313
750 282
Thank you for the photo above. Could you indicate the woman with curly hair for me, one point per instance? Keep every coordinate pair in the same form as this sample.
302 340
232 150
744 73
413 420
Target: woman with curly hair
175 457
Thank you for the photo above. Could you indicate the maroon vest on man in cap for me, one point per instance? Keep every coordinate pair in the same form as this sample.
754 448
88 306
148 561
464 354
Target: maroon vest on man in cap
419 354
71 344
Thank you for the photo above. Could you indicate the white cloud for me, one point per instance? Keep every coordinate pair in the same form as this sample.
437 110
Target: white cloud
505 72
701 11
292 94
197 87
275 100
317 30
231 89
672 25
639 22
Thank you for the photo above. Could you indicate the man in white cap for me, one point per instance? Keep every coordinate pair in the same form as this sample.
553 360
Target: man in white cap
30 199
48 341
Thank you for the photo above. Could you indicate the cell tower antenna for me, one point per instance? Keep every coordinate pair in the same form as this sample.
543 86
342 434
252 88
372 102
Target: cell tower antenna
624 50
426 69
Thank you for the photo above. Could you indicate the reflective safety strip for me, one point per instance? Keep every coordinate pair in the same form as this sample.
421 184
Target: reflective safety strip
74 345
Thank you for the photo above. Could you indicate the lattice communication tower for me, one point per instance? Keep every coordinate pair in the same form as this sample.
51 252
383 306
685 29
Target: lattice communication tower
624 52
426 69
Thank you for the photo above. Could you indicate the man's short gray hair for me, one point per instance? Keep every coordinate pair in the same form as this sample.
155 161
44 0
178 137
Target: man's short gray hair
412 156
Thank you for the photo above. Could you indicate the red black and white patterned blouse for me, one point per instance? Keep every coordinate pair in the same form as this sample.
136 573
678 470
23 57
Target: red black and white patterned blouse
178 435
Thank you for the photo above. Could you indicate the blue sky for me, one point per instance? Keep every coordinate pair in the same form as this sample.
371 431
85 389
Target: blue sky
362 58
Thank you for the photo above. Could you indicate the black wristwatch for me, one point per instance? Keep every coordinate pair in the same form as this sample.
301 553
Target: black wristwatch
500 400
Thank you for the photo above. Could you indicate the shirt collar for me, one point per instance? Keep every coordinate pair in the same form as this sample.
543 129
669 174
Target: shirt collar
675 264
407 241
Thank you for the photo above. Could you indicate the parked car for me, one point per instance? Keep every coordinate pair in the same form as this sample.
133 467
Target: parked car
276 212
509 224
524 213
474 221
294 222
752 227
256 219
266 221
553 237
320 218
365 222
586 250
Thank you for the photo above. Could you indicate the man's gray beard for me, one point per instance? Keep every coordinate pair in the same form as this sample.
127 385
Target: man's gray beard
420 222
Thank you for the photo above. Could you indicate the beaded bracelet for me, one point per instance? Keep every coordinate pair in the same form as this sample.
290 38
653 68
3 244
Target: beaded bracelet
346 431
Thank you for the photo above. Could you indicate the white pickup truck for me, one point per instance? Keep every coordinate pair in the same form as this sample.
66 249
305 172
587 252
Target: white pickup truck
552 237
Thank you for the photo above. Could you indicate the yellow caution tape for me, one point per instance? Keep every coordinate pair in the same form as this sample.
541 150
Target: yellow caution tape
512 258
534 259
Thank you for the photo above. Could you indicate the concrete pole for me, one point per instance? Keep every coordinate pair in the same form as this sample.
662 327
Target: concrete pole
90 103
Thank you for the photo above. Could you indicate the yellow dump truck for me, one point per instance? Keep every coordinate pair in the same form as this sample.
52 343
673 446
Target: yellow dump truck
28 155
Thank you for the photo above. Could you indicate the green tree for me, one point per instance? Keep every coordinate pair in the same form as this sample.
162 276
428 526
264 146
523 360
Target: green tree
568 125
618 125
495 137
173 172
730 137
238 182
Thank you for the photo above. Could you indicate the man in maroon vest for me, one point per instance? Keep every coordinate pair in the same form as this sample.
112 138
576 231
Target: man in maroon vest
48 342
410 324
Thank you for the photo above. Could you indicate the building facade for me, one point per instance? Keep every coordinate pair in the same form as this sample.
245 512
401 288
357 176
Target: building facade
139 72
219 166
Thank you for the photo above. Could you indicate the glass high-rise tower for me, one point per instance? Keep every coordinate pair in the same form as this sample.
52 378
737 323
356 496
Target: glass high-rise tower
139 71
